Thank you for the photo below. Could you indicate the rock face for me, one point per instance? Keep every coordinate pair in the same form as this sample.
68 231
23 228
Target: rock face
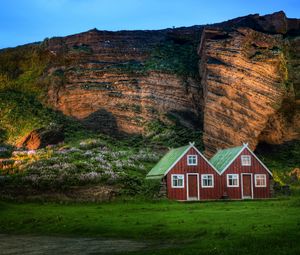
242 85
250 83
41 138
119 81
276 23
239 79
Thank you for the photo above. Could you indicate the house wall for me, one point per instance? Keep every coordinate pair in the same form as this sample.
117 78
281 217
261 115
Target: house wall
202 168
237 168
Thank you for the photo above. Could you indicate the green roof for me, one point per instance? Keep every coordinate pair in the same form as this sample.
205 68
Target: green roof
159 170
223 157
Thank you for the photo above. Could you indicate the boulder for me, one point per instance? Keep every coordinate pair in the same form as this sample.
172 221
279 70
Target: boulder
41 138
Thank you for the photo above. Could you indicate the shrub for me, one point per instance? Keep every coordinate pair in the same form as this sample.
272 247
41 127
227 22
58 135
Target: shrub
150 188
131 185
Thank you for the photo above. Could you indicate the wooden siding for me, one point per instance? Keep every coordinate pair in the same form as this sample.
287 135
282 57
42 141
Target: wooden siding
201 168
237 168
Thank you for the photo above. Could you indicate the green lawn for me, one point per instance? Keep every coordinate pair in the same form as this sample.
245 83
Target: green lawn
241 227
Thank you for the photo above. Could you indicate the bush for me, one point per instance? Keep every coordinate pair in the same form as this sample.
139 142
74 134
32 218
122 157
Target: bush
131 185
150 188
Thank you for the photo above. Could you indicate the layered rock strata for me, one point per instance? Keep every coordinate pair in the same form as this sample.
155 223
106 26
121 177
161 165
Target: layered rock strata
244 79
107 79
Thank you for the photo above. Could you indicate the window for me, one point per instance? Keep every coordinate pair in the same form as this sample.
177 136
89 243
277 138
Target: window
207 180
246 160
260 180
192 160
177 180
232 180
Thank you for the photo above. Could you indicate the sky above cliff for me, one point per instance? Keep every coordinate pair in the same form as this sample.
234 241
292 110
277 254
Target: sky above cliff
25 21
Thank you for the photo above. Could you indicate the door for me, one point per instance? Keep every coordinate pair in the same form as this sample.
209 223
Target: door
247 186
192 187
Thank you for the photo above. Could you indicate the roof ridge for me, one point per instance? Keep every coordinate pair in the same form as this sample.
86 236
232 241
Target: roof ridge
230 148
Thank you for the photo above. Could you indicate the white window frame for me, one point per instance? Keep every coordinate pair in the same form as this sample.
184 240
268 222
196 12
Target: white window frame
238 182
177 175
203 176
256 176
188 160
246 160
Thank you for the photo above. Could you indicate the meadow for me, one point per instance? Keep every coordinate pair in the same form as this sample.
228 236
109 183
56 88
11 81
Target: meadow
226 227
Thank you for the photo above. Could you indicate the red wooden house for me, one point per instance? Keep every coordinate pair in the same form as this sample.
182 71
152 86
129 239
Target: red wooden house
234 173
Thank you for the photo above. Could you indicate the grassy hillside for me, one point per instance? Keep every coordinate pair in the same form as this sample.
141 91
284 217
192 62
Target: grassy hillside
87 158
21 113
21 91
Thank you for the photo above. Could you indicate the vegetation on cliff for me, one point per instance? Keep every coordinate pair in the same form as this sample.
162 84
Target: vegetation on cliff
21 113
21 91
21 68
171 56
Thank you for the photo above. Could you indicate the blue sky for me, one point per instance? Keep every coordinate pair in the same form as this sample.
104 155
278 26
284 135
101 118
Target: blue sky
25 21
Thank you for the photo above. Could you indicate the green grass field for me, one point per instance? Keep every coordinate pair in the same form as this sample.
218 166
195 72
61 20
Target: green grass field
237 227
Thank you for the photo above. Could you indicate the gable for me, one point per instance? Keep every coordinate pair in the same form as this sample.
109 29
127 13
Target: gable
202 161
256 163
183 162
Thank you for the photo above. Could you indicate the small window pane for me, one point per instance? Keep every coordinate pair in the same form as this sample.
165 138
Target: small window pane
207 180
192 160
246 160
177 181
260 180
232 180
174 182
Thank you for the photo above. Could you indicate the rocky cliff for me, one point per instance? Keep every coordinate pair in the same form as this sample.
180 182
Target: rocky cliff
250 81
119 81
238 80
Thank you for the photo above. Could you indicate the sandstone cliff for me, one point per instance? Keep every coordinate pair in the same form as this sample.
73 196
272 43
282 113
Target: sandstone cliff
238 80
119 81
250 82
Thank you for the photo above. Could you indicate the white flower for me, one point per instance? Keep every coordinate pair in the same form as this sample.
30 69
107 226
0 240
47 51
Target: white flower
31 152
88 153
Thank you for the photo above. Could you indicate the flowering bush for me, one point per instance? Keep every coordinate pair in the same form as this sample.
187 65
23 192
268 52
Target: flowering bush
145 155
92 161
